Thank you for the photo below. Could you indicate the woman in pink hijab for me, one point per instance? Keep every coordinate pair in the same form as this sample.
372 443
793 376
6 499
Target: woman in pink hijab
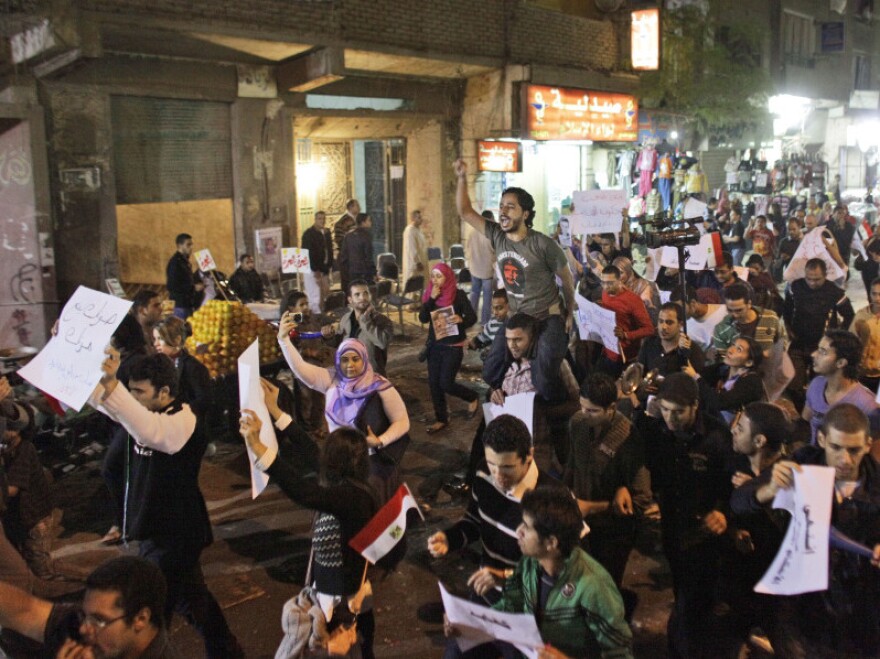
449 314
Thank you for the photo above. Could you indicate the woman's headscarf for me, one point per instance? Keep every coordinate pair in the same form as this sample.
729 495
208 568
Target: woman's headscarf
450 285
349 395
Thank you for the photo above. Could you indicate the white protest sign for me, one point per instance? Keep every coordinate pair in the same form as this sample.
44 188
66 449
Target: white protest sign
652 263
812 246
522 406
205 261
477 624
700 257
69 367
597 211
801 565
694 208
697 257
294 259
596 323
250 396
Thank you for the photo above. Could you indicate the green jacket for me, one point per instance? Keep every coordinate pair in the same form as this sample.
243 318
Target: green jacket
584 612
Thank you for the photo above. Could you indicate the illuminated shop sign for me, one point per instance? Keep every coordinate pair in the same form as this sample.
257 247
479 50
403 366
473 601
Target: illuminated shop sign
500 156
559 113
645 38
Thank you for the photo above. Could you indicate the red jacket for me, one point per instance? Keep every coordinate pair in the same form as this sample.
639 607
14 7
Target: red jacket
632 317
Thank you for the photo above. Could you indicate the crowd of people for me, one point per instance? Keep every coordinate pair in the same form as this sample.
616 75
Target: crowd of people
714 395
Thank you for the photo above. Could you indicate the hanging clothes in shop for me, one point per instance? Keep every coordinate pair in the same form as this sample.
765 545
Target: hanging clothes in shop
624 172
696 182
664 179
653 203
646 165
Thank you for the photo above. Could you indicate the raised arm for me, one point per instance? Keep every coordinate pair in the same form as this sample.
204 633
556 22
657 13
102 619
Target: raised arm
314 377
463 200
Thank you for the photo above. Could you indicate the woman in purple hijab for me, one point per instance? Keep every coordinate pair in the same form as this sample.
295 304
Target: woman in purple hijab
356 396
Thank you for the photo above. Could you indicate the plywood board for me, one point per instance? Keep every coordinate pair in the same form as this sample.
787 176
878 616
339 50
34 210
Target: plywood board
147 232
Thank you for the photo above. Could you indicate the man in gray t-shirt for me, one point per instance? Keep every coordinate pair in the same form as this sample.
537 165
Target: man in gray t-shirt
529 263
528 269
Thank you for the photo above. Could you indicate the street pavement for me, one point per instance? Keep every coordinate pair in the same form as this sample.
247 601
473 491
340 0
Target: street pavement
261 546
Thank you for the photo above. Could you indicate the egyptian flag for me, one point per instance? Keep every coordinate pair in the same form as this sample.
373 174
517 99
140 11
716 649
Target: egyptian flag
387 527
54 404
715 251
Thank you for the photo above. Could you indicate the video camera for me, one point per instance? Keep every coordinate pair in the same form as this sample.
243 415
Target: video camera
670 232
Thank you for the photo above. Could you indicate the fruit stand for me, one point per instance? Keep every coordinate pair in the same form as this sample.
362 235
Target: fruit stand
222 330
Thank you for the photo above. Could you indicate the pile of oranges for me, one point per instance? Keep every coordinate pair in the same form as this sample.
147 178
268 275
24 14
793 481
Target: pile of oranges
223 330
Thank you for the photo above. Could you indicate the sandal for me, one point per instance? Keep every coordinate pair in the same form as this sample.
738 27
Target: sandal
112 537
473 407
436 427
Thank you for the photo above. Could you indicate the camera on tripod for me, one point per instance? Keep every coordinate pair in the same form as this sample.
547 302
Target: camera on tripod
668 232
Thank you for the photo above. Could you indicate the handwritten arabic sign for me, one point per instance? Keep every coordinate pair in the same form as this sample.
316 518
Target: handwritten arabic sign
478 624
814 245
69 367
597 211
499 156
801 566
250 396
558 113
596 323
205 261
294 259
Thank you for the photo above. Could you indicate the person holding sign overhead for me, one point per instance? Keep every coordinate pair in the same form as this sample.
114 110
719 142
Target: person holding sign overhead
337 488
448 313
180 280
163 506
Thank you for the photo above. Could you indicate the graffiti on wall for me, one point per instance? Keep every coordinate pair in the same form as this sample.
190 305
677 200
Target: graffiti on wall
22 285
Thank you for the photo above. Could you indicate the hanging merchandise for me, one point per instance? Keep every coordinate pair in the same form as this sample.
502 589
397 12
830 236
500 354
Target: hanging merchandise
624 171
664 179
646 165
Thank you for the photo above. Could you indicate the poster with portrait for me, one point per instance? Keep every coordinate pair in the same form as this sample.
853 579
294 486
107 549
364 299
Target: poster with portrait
443 324
268 241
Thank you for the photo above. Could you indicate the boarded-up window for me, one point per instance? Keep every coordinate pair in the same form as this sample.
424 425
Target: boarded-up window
170 150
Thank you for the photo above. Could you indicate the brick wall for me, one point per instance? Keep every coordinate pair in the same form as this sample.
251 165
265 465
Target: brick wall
508 30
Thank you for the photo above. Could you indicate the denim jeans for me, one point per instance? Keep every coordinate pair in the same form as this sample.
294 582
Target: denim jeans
486 286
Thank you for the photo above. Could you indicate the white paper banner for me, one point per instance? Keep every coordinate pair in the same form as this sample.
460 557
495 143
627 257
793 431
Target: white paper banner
698 256
596 323
801 565
478 624
250 397
522 406
69 367
812 246
694 208
205 261
294 259
597 211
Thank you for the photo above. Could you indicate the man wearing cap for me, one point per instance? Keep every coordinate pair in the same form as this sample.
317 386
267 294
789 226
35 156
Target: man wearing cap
689 457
